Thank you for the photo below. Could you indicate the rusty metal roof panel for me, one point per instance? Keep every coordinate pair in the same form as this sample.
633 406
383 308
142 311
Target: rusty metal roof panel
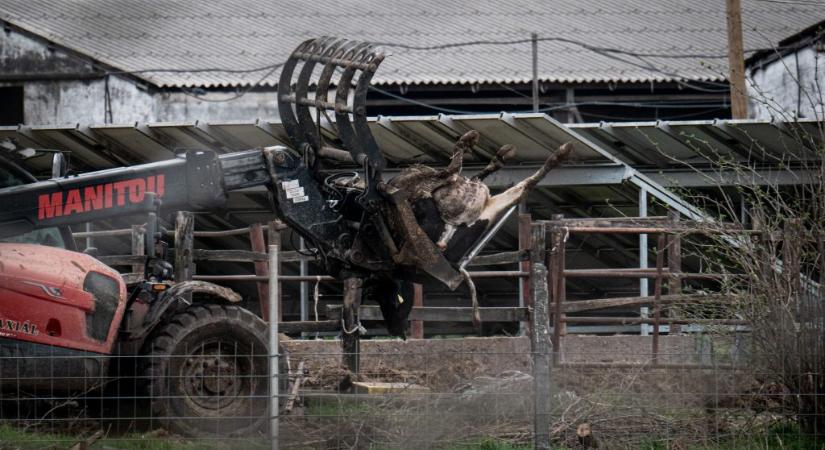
169 43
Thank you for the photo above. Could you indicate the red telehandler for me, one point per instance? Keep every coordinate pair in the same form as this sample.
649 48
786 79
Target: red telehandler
65 317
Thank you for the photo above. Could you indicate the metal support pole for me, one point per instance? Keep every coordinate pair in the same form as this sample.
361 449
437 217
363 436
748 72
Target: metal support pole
540 343
534 38
89 240
643 286
304 292
274 347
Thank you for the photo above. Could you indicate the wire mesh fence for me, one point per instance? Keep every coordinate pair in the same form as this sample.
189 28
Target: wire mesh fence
434 393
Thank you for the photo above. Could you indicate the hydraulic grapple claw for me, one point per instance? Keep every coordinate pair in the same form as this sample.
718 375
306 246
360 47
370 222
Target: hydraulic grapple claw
343 64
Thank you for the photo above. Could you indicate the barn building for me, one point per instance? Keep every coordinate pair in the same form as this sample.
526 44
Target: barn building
130 61
788 82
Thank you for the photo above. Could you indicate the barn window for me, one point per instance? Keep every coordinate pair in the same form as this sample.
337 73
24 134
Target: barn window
11 98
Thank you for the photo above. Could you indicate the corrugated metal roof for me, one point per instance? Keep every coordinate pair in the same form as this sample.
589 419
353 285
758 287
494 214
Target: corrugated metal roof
597 41
625 157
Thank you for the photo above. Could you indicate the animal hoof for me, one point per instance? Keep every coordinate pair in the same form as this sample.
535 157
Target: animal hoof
506 152
470 138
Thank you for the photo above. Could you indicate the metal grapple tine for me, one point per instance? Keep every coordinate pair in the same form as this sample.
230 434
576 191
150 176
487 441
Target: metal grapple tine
306 122
346 131
359 104
285 100
341 48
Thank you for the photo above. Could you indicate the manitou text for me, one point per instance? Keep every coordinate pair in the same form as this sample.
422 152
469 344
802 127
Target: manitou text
101 196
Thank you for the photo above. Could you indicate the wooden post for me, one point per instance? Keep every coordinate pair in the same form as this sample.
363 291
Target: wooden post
556 263
184 241
674 262
256 239
138 247
657 294
525 221
417 326
792 255
540 343
350 342
820 245
736 61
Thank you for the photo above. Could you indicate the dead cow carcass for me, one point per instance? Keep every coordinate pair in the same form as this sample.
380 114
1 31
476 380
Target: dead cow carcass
453 211
378 236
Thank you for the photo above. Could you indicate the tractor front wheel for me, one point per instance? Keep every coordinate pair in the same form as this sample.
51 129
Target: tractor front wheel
208 372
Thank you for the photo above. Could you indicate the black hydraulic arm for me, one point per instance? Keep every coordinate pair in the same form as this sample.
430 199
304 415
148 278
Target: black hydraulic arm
198 180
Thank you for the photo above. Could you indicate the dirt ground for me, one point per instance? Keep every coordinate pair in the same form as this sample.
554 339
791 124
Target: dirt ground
482 388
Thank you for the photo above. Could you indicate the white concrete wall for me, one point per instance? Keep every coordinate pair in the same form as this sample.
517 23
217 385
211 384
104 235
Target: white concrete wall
82 99
791 87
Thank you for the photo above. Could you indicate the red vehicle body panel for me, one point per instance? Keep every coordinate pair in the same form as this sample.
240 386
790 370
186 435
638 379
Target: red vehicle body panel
42 299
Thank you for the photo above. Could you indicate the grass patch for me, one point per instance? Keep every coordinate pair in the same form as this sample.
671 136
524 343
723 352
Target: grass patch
784 436
15 439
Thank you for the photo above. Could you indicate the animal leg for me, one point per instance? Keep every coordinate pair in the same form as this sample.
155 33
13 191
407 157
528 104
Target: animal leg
499 203
462 145
446 235
505 153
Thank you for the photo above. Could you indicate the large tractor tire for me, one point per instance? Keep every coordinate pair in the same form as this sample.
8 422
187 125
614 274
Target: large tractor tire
208 372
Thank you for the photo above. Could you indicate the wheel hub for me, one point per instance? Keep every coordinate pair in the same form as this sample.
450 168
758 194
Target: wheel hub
213 379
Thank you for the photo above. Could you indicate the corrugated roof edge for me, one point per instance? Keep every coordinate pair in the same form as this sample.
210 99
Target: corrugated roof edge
113 67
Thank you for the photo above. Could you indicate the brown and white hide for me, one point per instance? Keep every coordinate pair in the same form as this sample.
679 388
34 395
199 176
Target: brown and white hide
453 210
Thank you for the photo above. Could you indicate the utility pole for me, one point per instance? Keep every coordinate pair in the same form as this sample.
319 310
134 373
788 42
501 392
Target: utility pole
534 38
736 61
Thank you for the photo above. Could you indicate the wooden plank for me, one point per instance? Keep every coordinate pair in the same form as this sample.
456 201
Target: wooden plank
102 233
619 365
638 273
124 260
263 278
617 302
256 239
184 240
309 326
132 278
229 255
440 314
650 321
381 387
499 258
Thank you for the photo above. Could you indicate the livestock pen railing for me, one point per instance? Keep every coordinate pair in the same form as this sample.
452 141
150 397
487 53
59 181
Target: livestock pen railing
538 241
186 259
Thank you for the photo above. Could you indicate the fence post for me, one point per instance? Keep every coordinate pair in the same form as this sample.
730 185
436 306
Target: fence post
525 244
138 247
556 263
417 326
350 339
657 294
792 239
274 347
674 263
273 235
540 343
184 241
257 243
